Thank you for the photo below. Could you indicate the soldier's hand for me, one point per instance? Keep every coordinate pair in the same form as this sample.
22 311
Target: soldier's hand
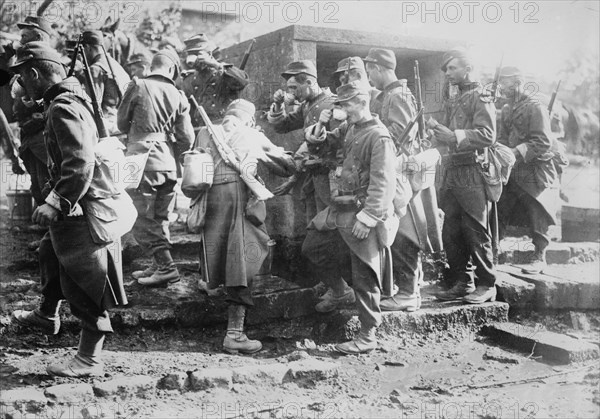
279 97
325 117
444 135
44 215
286 186
208 60
360 230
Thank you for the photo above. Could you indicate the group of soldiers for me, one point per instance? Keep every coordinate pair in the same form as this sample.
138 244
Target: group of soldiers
364 215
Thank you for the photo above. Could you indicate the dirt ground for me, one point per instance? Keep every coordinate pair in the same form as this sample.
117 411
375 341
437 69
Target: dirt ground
451 375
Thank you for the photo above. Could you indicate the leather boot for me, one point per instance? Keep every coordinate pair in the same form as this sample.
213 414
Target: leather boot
364 342
146 272
236 340
537 263
45 318
166 273
401 302
461 289
86 362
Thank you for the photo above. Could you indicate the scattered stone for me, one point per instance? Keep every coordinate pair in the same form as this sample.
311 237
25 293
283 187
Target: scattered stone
518 293
495 354
172 381
209 378
306 344
309 371
127 387
552 346
70 393
394 363
28 400
297 356
579 321
260 374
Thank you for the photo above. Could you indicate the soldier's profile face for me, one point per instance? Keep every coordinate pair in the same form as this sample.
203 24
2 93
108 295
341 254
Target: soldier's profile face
299 90
456 71
509 86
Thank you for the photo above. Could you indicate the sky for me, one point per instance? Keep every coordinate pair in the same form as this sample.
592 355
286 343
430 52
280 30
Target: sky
538 36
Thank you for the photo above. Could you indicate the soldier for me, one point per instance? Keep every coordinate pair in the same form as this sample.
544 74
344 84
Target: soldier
138 66
397 107
110 79
355 71
467 129
86 245
214 84
235 243
30 114
366 186
153 110
531 195
301 80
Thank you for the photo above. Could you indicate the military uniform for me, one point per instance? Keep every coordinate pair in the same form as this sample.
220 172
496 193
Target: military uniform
368 175
531 196
109 81
463 192
396 107
153 113
315 165
214 90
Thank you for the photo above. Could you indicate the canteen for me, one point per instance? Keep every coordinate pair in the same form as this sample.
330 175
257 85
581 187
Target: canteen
198 172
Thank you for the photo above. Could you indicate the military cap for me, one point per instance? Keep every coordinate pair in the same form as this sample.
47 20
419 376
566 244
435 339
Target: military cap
137 58
36 22
36 51
300 67
93 38
458 52
350 90
198 42
383 57
241 106
170 42
171 55
355 63
510 71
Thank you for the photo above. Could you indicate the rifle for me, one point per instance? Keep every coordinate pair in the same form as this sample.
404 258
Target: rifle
102 132
247 54
419 99
553 98
428 195
229 156
407 131
497 79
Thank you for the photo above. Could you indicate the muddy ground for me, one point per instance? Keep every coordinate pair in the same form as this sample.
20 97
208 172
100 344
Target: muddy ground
451 375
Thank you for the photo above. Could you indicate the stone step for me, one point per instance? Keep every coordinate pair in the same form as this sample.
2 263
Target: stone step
554 347
572 287
282 310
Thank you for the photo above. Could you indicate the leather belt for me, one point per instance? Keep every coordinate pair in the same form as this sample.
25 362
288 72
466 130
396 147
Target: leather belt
148 136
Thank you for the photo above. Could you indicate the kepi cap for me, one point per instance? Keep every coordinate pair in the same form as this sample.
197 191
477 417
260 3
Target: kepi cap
383 57
36 22
93 38
355 63
197 43
510 71
300 67
458 52
36 51
241 108
138 58
350 90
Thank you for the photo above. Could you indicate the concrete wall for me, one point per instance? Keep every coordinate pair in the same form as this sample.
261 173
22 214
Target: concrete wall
271 54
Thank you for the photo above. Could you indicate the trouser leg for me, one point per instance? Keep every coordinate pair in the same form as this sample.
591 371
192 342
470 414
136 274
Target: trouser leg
456 245
50 278
406 265
324 251
368 294
479 240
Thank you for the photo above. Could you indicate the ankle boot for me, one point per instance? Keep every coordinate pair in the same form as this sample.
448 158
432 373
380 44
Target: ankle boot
537 264
146 273
461 289
165 274
236 340
86 362
364 342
